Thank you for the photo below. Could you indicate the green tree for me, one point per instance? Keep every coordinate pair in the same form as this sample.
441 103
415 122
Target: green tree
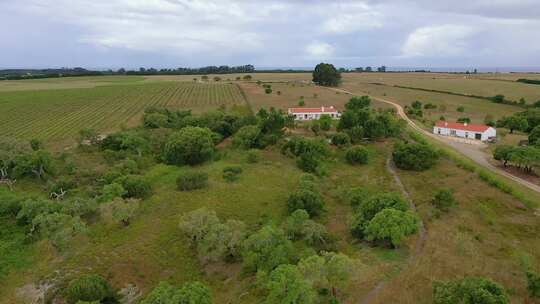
310 201
136 186
89 288
325 122
357 103
326 74
534 136
503 153
59 228
460 109
248 137
391 225
357 155
190 145
155 120
36 144
469 290
329 271
197 224
37 163
112 191
414 156
266 249
367 207
287 285
341 139
513 123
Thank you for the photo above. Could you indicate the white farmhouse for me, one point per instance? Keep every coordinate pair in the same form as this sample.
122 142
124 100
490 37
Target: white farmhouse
464 130
313 113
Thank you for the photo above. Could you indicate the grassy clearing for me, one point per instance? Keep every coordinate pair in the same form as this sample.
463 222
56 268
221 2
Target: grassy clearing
59 114
488 234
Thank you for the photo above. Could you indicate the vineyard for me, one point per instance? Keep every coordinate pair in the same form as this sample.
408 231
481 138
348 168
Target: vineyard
60 114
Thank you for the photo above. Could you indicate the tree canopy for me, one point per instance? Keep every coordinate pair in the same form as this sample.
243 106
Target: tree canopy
325 74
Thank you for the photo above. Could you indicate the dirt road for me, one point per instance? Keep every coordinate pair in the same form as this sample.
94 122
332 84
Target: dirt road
473 152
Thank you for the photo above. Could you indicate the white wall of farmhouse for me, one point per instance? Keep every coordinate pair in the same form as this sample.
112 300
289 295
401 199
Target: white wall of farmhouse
483 136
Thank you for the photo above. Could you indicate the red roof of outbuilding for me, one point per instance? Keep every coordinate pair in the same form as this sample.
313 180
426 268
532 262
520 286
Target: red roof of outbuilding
462 126
313 110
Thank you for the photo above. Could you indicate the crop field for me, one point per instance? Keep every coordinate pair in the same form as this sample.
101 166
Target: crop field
59 114
453 83
67 83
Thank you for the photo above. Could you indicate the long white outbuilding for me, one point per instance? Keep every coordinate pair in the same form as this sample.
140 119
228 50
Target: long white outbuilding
314 113
464 130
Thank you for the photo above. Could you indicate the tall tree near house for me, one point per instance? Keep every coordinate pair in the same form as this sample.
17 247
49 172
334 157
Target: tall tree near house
325 74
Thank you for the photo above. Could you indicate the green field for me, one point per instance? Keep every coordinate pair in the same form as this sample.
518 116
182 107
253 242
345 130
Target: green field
60 114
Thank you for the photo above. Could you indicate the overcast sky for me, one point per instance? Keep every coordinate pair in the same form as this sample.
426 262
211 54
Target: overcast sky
269 33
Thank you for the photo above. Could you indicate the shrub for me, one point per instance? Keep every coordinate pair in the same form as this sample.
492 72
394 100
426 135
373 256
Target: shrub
190 145
155 120
136 186
89 288
341 139
357 155
306 199
460 109
325 122
533 284
191 180
252 157
444 199
356 134
268 90
248 137
287 285
189 293
232 173
301 103
391 225
469 290
368 207
414 156
267 249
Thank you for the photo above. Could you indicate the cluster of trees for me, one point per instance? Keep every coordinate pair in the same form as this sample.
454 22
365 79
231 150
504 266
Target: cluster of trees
223 69
524 121
524 157
310 153
267 129
24 159
415 109
360 121
270 253
382 217
368 69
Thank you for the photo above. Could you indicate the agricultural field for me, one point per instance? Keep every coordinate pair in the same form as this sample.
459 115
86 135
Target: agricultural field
285 95
453 83
60 114
475 109
67 83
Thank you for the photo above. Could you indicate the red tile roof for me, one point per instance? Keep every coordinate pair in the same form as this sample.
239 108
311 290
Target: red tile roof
462 126
313 110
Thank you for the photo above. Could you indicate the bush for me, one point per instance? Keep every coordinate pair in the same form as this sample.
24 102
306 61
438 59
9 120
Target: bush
267 249
391 225
461 109
533 284
268 90
248 137
414 156
325 122
136 186
356 134
444 199
231 173
369 206
190 145
89 288
357 155
252 157
306 199
155 120
469 290
341 139
191 180
189 293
